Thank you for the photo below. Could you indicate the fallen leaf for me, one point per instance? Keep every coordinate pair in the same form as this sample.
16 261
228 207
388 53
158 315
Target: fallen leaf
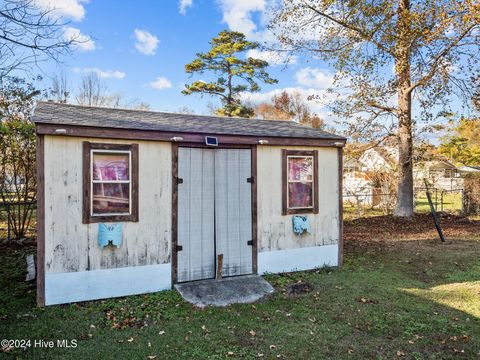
151 357
161 332
272 347
130 339
253 333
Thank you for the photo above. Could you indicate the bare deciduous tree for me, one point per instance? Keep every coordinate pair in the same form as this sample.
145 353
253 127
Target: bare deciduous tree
29 35
92 91
60 90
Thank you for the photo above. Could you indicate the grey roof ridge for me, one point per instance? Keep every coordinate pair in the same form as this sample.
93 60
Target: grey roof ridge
166 112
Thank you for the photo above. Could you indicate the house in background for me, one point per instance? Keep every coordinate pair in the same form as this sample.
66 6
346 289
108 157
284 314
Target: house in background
440 174
373 173
368 178
468 169
131 202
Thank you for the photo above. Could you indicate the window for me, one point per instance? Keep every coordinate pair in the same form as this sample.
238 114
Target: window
300 183
110 182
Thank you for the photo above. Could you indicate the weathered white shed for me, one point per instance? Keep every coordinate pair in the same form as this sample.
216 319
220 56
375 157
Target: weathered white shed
132 202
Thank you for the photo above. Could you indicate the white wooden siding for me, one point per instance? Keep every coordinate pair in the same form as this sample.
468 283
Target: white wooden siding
71 246
275 231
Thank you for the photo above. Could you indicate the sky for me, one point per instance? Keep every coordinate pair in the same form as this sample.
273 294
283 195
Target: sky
140 48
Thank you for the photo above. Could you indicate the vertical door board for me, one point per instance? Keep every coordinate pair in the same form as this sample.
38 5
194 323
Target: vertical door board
233 206
195 215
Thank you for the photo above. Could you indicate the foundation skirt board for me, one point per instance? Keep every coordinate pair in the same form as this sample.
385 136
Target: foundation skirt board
101 284
306 258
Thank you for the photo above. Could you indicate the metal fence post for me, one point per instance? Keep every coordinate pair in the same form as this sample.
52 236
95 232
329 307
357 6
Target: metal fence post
441 200
358 207
8 222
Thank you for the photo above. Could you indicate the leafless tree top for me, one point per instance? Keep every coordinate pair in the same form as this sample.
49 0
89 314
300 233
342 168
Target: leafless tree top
29 35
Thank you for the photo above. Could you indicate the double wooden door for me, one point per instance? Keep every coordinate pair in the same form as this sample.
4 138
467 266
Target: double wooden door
214 212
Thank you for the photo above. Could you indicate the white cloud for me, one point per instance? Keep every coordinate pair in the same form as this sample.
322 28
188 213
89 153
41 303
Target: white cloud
160 83
184 5
272 57
314 78
82 42
146 42
71 9
104 74
238 15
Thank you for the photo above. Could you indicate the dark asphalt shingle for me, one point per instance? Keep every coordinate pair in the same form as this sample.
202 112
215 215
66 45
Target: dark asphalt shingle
63 114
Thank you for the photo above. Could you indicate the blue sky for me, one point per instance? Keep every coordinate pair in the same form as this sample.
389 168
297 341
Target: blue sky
140 47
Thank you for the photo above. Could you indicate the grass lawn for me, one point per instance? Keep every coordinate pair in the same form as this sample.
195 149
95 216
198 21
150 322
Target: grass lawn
452 203
404 296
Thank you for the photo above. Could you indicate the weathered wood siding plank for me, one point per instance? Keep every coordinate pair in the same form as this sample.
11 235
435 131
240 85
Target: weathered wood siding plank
275 231
71 246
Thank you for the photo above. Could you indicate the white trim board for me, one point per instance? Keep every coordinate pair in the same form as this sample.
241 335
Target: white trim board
306 258
101 284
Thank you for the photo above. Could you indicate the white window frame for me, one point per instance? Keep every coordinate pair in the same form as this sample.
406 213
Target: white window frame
301 181
129 181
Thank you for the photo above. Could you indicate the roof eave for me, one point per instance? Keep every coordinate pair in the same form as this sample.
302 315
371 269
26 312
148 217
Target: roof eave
43 128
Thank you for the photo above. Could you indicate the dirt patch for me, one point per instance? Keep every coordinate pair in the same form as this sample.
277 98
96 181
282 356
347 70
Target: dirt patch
382 231
299 288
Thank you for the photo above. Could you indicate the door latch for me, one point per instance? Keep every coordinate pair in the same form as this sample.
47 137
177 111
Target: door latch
250 242
251 180
179 248
179 180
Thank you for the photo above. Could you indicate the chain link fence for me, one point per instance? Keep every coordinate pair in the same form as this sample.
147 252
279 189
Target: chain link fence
452 201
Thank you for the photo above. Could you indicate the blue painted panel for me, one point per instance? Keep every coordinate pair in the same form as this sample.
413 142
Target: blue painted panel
110 233
301 224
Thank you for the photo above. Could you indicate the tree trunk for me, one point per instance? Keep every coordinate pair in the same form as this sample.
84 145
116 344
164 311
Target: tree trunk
404 206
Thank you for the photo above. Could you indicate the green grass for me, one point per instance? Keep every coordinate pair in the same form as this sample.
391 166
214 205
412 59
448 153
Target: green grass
452 203
413 300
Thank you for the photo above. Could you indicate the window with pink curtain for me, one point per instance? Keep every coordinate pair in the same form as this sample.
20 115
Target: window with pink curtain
300 180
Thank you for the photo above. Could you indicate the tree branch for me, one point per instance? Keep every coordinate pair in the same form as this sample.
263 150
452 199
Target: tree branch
434 64
363 34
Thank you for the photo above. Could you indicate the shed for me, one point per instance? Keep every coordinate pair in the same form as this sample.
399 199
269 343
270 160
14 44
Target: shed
132 202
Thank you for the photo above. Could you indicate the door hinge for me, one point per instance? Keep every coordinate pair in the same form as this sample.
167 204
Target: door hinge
250 242
179 180
251 180
179 248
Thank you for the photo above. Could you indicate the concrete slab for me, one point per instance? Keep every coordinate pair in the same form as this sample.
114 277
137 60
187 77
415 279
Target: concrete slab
231 290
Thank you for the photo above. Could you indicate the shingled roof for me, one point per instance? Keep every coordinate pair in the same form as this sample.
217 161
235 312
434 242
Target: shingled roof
75 115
